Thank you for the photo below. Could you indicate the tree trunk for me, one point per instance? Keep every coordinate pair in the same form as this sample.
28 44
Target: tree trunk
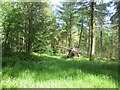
70 33
101 41
94 39
89 40
118 10
80 35
30 34
92 45
70 29
70 39
62 48
119 40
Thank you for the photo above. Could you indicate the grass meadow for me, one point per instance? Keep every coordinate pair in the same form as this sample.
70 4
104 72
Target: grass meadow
44 71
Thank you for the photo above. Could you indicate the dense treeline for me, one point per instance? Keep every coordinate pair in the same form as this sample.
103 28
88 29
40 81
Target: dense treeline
26 26
36 27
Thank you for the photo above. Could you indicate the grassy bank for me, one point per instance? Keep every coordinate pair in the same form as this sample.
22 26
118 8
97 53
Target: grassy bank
53 72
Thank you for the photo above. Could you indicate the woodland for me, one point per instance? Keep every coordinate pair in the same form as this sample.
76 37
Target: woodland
38 40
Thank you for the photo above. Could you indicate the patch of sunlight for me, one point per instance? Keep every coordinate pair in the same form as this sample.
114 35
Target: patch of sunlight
82 59
37 54
44 55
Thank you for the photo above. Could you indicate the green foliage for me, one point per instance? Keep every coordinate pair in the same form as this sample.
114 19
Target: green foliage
35 27
29 29
68 17
54 72
25 24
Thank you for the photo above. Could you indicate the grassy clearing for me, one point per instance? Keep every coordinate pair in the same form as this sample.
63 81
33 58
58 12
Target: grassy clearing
53 72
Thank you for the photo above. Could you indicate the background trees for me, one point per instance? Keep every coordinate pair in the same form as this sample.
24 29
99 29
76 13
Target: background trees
116 25
36 35
35 27
25 26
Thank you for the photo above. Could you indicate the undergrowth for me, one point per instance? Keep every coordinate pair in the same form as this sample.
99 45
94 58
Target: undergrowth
44 71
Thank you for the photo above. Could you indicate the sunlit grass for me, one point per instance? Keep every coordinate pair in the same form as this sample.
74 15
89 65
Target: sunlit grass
53 72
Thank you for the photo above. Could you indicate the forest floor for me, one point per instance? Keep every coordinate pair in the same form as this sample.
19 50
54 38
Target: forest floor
44 71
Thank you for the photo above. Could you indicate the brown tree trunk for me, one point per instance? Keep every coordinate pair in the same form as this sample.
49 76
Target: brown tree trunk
119 41
70 30
70 38
101 41
80 35
30 34
92 33
118 10
89 40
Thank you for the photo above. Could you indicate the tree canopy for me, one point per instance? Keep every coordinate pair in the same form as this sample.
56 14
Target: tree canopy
37 27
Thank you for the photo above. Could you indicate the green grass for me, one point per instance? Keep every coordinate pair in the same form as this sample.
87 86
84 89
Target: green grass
43 71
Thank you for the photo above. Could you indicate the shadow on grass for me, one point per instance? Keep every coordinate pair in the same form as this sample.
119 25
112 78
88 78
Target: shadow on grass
51 67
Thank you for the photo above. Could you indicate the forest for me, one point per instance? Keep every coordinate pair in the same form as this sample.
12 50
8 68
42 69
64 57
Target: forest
60 45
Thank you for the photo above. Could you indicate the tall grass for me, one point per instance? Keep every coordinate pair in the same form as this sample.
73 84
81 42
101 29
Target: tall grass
43 71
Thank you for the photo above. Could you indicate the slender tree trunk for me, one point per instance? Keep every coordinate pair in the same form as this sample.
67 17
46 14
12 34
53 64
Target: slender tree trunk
118 10
30 34
70 39
80 35
89 40
66 44
92 45
29 47
119 40
62 48
101 41
94 40
70 32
